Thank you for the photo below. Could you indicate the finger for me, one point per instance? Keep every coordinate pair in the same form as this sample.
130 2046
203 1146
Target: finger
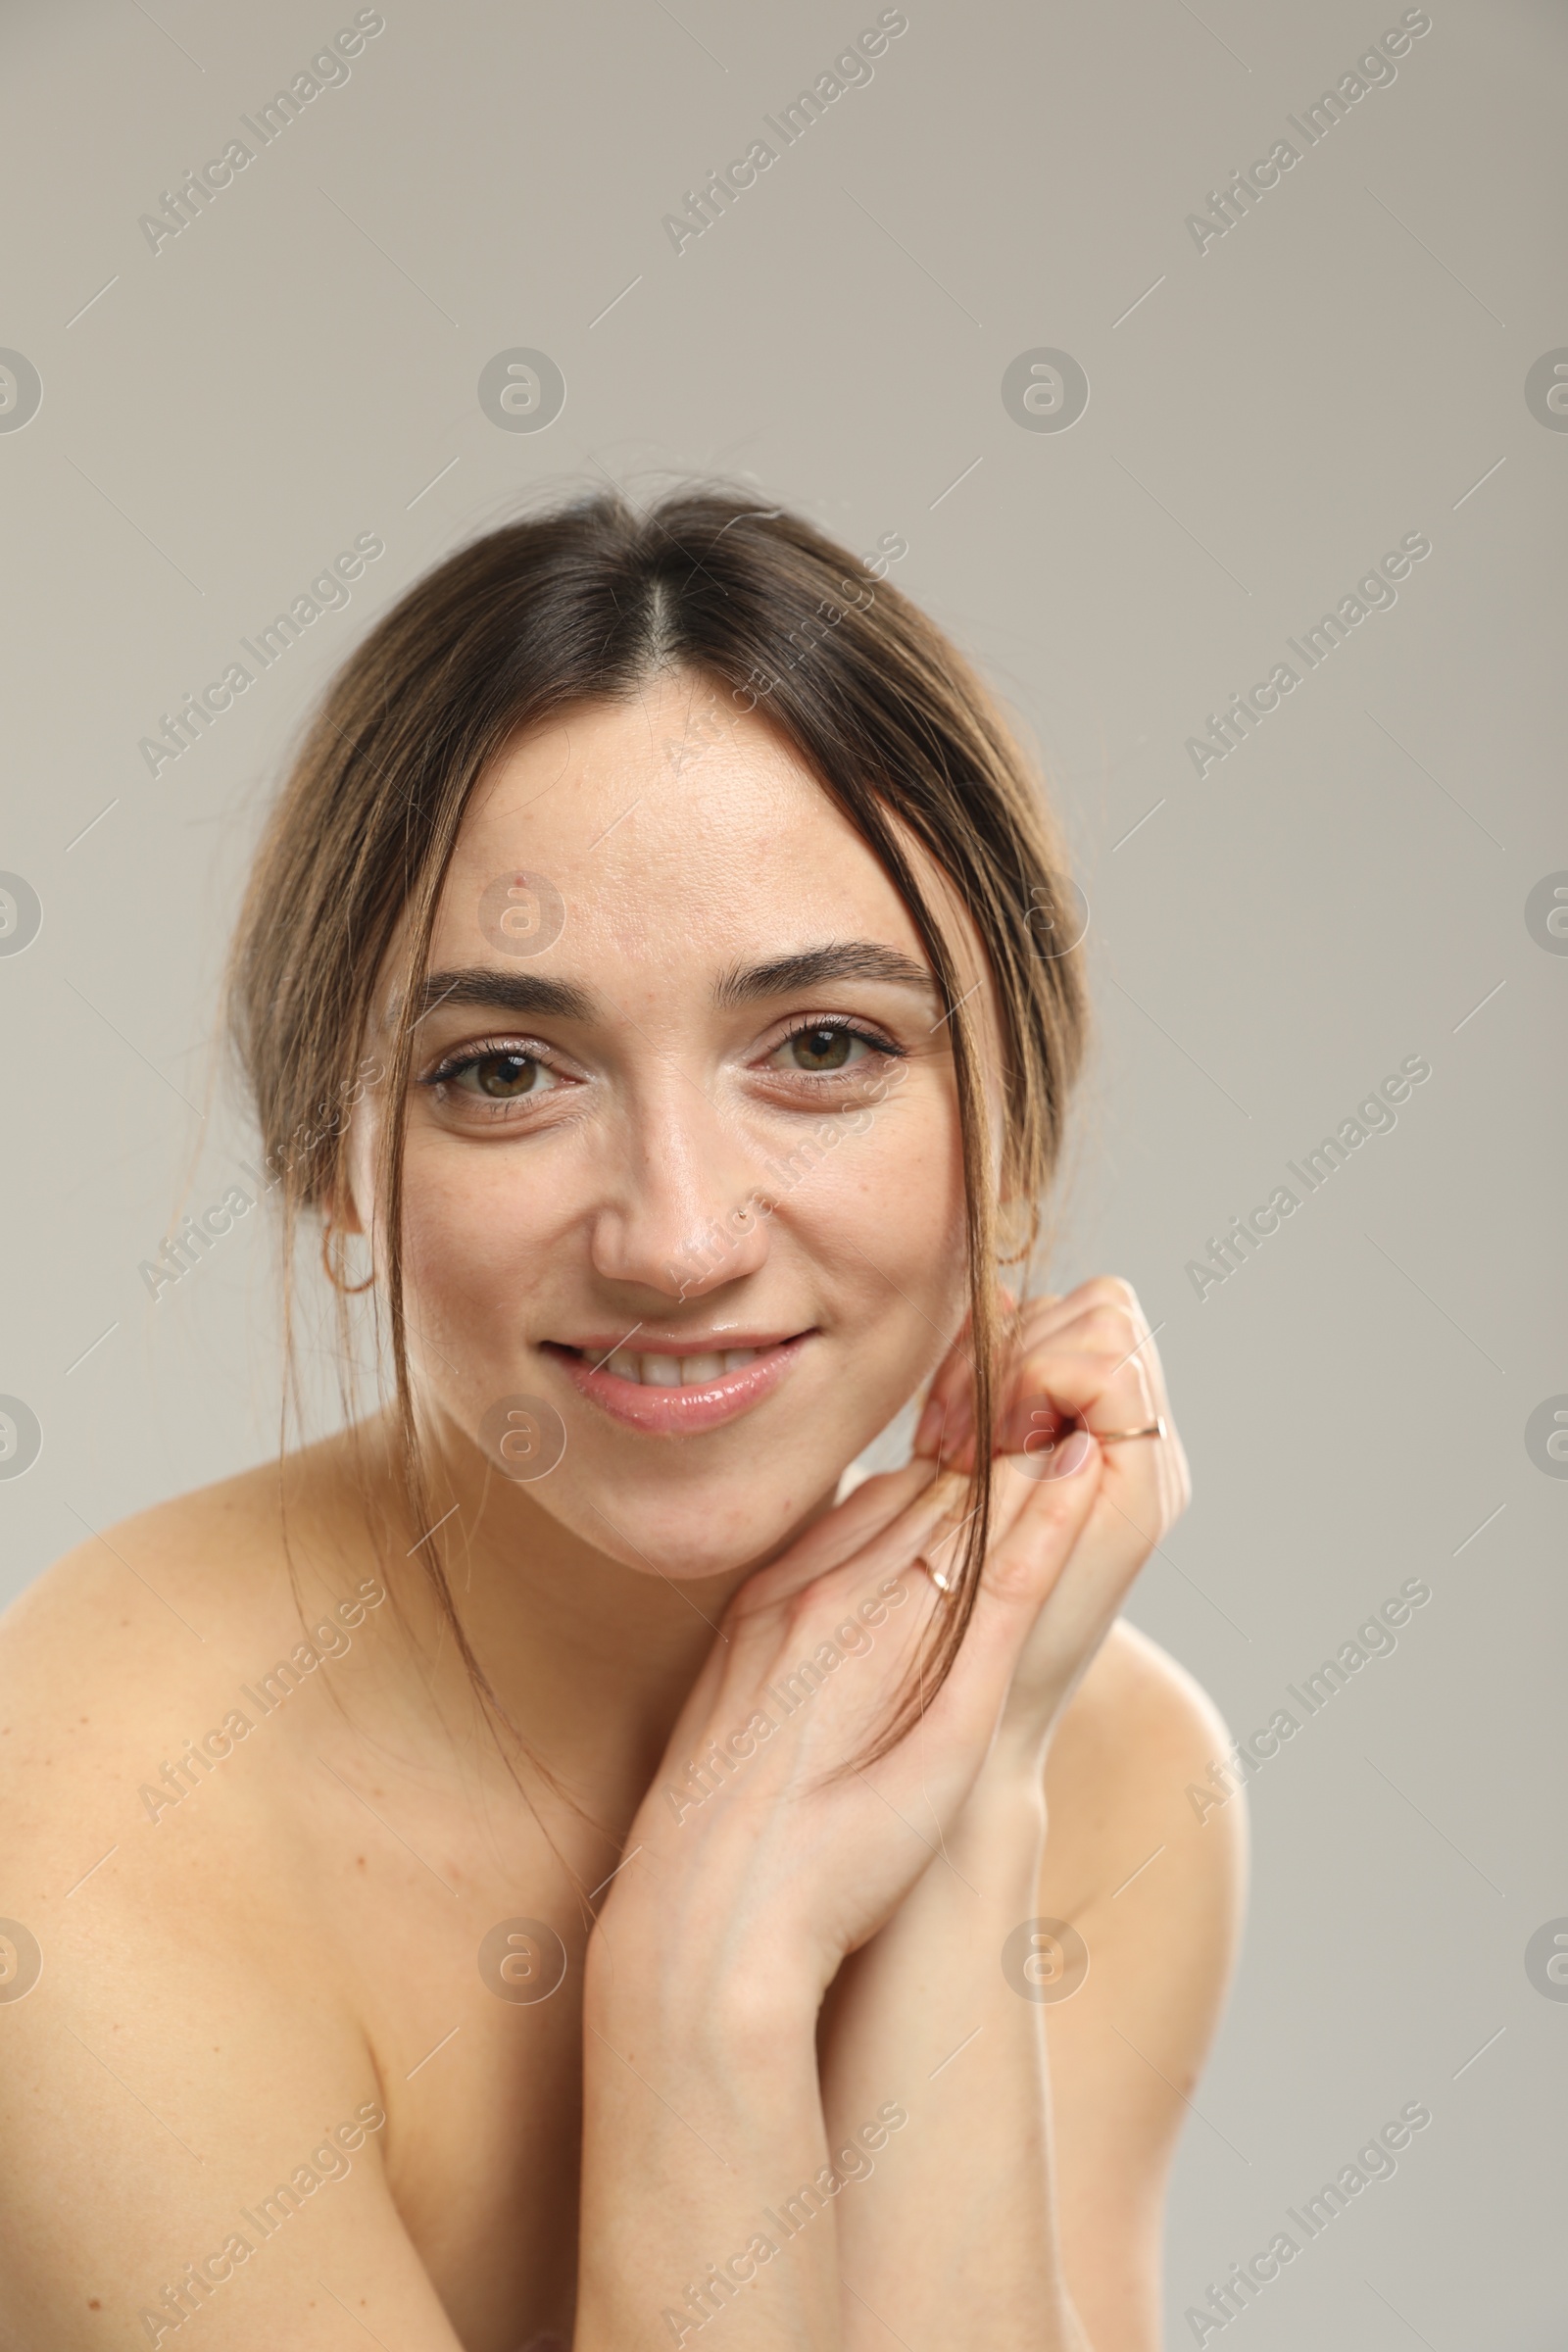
1056 1389
948 1386
1041 1523
1105 1293
949 1413
1103 1314
918 1497
934 1535
1124 1328
1058 1385
930 1536
1048 1313
1157 1464
1103 1304
842 1602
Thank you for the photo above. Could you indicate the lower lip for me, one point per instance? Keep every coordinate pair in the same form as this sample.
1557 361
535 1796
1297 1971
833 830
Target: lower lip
681 1412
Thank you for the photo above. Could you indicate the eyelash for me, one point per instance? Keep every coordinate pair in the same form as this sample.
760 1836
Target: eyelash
873 1038
533 1050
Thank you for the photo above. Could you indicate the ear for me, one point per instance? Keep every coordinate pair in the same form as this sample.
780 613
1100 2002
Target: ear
353 1169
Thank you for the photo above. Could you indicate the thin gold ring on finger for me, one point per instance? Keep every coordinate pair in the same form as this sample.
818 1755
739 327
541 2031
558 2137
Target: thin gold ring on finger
1120 1437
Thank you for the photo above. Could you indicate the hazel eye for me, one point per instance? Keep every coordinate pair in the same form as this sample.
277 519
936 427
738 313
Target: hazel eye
824 1050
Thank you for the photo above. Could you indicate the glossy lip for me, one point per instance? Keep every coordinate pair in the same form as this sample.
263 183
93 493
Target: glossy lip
686 1411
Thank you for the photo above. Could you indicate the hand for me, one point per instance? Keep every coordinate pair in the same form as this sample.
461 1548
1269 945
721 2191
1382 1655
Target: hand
1076 1365
753 1882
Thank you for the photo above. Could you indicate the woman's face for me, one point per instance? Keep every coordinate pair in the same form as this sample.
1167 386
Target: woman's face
683 1179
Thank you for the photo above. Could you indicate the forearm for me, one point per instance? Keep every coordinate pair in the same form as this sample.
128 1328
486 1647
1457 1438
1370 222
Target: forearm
953 2237
702 2123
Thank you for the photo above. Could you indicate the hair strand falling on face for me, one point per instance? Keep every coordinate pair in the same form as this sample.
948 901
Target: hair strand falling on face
585 603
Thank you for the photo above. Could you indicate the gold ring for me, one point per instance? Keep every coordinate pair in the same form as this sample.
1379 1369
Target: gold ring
1119 1437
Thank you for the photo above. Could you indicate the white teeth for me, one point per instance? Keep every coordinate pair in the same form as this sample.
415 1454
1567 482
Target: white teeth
678 1371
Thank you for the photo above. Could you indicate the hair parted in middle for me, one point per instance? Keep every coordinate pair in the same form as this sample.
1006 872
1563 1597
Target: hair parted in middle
585 603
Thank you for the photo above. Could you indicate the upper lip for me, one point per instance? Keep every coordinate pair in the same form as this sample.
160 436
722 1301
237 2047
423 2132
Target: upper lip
642 1342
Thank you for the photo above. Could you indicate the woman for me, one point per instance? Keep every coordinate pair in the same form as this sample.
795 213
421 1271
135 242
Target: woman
538 1868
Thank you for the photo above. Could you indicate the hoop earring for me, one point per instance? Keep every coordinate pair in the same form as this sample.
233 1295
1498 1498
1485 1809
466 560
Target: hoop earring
1006 1228
349 1290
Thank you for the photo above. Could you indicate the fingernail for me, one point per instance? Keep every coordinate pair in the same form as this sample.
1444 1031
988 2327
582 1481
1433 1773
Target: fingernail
1070 1458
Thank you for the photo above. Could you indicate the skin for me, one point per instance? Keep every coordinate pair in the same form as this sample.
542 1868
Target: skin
799 1969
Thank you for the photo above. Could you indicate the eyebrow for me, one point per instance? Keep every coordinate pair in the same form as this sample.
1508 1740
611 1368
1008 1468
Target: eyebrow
525 993
521 993
813 968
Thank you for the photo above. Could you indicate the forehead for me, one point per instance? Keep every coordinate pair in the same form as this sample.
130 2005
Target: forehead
671 821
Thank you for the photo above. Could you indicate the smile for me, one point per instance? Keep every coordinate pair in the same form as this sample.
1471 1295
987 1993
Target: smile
668 1395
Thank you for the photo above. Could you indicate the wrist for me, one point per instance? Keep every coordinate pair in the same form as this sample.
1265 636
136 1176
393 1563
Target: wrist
714 2001
1005 1814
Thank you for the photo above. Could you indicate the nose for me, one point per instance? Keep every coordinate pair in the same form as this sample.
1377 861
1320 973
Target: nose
684 1211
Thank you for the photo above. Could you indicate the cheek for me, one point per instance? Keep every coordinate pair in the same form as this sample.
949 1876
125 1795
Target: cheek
883 1214
473 1237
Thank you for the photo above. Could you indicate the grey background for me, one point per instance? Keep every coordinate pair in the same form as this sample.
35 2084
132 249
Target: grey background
301 364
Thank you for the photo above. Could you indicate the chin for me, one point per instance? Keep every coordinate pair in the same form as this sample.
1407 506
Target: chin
705 1476
704 1527
701 1507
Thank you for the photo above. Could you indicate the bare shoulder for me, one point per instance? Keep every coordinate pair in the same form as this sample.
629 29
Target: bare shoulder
120 1670
117 1616
175 2023
165 1591
207 1544
1138 1737
125 1671
1147 1888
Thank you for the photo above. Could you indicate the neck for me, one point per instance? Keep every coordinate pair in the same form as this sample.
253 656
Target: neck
590 1660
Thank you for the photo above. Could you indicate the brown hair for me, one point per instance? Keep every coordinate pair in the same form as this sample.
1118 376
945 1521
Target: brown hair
585 603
